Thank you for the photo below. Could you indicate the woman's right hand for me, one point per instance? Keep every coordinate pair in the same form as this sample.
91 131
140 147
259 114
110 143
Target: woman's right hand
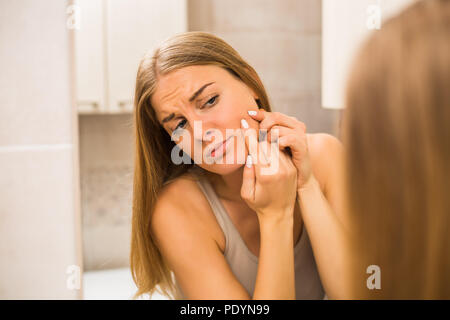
269 184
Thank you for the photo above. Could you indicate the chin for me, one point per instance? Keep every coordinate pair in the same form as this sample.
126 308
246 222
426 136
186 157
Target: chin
222 169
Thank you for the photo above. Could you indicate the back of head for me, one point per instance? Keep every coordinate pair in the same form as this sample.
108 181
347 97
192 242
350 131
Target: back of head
396 130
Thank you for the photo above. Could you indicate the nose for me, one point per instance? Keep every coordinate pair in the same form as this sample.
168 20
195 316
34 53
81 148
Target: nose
208 133
203 129
204 134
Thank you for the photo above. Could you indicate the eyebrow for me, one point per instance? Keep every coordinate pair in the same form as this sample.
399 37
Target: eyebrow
195 95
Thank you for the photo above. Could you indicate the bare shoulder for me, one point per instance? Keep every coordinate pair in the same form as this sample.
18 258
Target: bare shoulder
182 206
180 193
322 142
326 154
184 229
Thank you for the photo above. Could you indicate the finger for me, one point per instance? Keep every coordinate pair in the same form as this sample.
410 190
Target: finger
279 160
292 142
263 152
254 149
267 146
257 115
277 132
248 181
251 143
264 147
277 118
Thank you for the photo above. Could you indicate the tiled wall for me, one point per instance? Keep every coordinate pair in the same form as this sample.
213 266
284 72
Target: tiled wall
106 163
39 199
280 39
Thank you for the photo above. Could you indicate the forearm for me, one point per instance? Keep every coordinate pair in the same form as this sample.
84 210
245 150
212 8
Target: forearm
275 277
328 238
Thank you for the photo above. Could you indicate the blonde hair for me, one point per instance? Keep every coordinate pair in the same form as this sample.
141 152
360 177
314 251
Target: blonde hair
396 130
153 166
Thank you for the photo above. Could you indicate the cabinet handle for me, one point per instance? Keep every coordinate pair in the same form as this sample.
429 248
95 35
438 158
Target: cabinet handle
124 103
94 104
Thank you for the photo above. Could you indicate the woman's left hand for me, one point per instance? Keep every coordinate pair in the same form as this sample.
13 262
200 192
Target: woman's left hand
292 135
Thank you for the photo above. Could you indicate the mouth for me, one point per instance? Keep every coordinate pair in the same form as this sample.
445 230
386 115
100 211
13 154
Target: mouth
219 149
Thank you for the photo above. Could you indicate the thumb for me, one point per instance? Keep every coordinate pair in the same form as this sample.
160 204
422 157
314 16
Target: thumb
248 181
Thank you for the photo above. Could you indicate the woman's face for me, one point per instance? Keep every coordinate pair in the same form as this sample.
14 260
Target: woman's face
201 107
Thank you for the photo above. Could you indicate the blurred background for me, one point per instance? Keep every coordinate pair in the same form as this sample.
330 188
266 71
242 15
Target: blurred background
66 101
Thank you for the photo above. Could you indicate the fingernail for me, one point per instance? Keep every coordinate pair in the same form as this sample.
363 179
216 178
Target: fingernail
244 123
249 161
252 113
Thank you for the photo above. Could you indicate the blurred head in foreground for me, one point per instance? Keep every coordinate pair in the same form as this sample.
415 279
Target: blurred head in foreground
396 130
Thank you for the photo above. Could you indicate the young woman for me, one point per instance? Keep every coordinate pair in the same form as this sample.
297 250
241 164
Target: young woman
225 230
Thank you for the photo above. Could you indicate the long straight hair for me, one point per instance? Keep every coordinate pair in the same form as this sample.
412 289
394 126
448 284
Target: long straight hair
153 165
396 130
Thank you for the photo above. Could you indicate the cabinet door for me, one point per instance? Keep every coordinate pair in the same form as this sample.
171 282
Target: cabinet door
345 24
89 56
133 28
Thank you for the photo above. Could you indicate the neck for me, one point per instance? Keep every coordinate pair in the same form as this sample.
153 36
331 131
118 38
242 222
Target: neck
228 186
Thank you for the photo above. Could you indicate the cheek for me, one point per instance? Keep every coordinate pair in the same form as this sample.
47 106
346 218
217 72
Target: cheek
186 143
231 120
238 106
230 117
187 146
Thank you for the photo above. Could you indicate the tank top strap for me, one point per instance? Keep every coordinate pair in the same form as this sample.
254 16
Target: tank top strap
233 238
216 205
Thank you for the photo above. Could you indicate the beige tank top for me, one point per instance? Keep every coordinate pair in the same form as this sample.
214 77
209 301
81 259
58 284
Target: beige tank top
244 263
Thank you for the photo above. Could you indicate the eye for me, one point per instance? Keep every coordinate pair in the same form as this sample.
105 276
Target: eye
211 101
180 125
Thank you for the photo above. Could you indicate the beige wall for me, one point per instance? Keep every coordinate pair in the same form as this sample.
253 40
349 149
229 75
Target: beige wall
39 199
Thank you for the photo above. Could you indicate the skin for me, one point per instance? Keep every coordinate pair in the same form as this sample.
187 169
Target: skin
268 211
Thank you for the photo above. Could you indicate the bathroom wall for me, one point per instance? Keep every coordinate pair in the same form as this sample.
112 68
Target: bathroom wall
39 199
280 39
106 164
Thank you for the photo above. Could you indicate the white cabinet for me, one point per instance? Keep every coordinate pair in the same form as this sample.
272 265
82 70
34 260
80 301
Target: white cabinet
90 56
112 37
345 24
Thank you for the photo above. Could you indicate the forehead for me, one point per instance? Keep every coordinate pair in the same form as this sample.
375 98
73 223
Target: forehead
182 83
